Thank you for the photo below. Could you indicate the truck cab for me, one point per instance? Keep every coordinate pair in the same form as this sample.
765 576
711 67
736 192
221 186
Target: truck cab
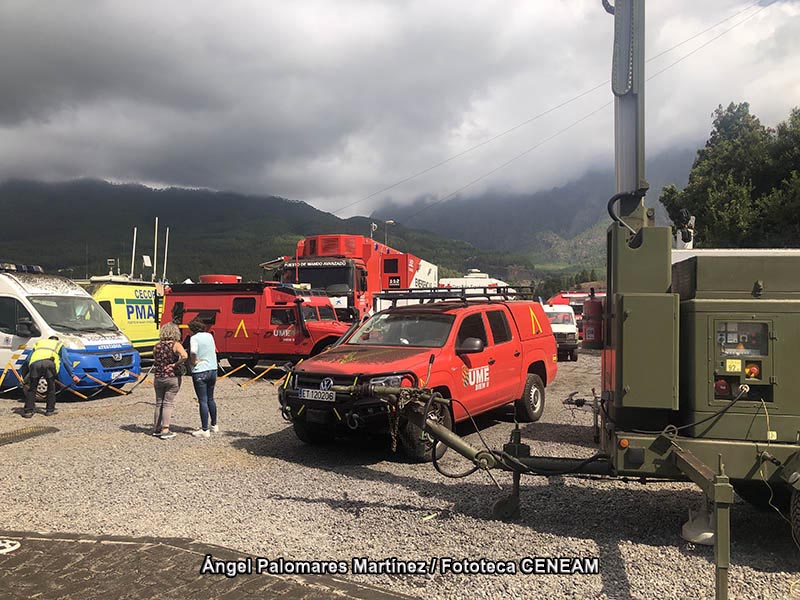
483 353
257 320
565 330
34 305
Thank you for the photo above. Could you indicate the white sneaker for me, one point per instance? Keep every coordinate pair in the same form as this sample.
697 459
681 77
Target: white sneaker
215 429
204 433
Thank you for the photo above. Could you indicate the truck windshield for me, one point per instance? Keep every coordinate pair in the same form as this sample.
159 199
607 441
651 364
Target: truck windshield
404 329
561 318
334 280
72 313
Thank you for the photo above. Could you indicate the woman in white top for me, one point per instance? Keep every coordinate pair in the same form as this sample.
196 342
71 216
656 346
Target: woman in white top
203 353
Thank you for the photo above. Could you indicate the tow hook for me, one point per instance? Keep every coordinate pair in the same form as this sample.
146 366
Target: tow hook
286 413
353 421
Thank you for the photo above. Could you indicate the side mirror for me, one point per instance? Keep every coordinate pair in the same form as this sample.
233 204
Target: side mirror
27 328
471 345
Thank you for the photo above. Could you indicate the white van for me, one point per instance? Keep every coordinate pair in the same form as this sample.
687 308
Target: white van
34 305
562 320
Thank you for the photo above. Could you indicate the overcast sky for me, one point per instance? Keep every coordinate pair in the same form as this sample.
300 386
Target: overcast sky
329 101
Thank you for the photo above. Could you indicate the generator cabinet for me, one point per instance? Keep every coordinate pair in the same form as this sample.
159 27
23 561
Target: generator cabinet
740 325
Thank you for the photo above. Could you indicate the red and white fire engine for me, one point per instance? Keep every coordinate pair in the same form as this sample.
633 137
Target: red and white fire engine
351 269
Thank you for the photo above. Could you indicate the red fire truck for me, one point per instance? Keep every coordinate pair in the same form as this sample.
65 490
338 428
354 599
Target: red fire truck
351 269
256 320
575 300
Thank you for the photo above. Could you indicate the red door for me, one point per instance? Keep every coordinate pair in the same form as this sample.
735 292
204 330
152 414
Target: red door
477 374
242 329
505 358
281 330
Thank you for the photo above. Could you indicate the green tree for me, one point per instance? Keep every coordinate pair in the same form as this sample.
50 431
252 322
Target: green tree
743 187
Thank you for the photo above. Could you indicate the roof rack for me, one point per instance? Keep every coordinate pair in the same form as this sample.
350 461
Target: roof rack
459 293
14 267
246 286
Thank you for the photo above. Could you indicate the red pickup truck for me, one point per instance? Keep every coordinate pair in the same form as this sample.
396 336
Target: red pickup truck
484 353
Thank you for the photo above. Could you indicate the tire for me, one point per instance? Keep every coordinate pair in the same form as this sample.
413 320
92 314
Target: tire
531 406
573 356
238 362
314 435
322 346
756 493
794 514
421 450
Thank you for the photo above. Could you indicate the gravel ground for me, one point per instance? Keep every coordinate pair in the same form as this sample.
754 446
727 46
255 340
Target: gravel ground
255 488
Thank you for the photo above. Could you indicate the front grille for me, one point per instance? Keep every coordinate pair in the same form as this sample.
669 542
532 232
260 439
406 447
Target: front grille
109 363
561 337
312 380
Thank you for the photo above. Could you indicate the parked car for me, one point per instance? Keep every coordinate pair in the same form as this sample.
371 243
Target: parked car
483 353
565 330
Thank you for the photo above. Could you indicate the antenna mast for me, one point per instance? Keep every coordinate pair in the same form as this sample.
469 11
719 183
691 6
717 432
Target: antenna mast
133 253
155 253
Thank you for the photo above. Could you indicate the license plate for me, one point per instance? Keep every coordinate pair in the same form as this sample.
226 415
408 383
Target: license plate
322 395
116 374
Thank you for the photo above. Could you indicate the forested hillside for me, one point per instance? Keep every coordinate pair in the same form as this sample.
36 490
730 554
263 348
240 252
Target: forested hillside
74 227
561 226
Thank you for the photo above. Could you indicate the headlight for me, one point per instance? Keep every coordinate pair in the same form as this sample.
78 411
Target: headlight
388 381
571 337
72 342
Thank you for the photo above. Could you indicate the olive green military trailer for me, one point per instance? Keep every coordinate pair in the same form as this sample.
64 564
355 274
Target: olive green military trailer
698 356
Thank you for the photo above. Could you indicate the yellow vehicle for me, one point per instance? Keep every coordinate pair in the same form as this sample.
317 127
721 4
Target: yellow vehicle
131 305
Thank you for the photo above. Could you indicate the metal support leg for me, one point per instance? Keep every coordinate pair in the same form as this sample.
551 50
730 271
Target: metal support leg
723 497
719 491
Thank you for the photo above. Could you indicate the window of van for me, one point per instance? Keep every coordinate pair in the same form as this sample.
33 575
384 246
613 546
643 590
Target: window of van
8 315
72 313
281 316
11 311
326 313
310 313
244 306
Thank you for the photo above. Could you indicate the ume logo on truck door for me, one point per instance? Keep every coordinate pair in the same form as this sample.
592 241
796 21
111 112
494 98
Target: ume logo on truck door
477 377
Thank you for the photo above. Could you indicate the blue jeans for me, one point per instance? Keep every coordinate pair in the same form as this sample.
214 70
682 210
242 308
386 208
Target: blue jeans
204 383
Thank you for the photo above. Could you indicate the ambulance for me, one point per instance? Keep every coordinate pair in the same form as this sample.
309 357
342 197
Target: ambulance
34 305
131 304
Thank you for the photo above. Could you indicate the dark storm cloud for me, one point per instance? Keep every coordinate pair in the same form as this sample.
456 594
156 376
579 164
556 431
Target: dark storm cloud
328 101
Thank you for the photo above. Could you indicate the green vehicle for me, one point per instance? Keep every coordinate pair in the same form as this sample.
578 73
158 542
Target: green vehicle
698 357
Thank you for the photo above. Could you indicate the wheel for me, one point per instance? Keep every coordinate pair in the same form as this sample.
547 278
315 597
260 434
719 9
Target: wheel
531 406
794 514
418 446
311 433
321 347
238 362
757 494
573 356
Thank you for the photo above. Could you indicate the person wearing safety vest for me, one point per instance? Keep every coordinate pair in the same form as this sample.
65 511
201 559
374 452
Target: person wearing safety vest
45 362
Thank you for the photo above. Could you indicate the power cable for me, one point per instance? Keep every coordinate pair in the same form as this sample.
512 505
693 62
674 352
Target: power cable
574 123
539 115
